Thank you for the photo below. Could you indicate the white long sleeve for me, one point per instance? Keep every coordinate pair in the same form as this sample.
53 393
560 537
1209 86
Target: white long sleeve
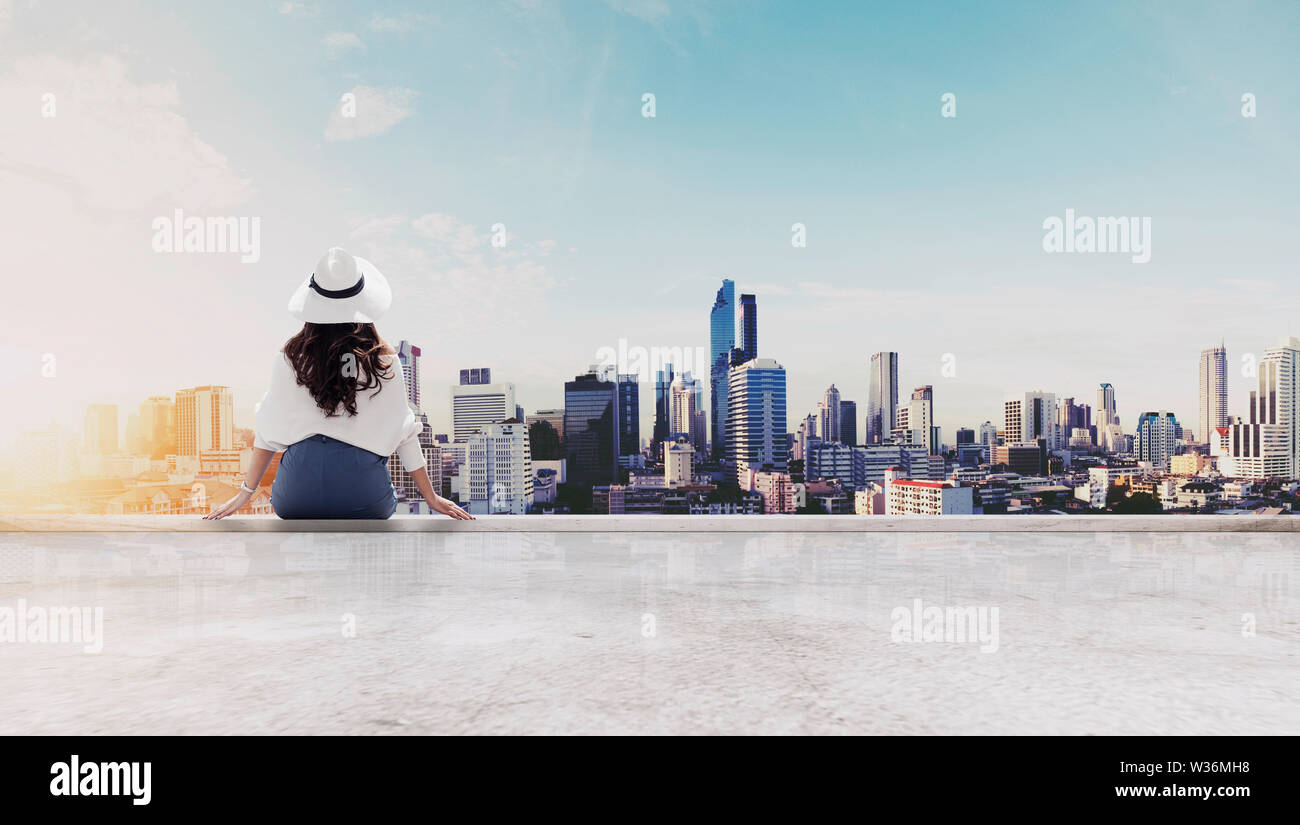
384 422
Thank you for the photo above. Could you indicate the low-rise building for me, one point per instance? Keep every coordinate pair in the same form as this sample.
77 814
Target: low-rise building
905 497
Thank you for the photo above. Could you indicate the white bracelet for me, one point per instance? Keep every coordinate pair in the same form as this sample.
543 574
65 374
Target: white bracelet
246 490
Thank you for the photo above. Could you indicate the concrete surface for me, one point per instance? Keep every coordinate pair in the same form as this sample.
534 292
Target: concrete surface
627 632
655 524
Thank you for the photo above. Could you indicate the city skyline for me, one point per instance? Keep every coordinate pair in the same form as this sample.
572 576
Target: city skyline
923 233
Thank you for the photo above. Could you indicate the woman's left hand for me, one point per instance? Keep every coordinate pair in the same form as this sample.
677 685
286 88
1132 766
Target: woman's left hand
233 506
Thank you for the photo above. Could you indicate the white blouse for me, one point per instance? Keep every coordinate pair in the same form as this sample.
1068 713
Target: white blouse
383 424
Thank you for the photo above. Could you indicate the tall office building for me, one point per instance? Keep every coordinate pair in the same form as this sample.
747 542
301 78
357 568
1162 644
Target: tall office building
405 487
547 440
682 409
882 397
475 376
1268 446
1109 434
500 469
805 438
1213 406
988 439
409 356
591 430
914 421
1030 417
1157 439
157 426
629 414
663 383
848 422
205 420
722 337
1070 417
756 418
749 326
100 437
965 435
828 416
554 417
678 457
475 405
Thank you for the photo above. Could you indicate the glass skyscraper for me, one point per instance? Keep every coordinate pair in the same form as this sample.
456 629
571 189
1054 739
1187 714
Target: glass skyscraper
591 430
749 326
882 397
629 415
722 337
663 381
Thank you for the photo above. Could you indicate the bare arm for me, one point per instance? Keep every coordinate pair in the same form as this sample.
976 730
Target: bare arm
436 502
256 469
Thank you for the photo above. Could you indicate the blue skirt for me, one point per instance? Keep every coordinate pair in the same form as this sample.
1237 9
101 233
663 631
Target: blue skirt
321 477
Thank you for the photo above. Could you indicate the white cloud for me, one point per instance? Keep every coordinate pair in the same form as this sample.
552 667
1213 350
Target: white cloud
405 22
341 43
6 16
80 190
295 9
445 268
376 111
112 144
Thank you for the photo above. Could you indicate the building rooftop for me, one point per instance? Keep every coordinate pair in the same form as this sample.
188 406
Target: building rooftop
664 630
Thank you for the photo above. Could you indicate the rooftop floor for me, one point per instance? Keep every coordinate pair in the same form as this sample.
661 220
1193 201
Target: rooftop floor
622 631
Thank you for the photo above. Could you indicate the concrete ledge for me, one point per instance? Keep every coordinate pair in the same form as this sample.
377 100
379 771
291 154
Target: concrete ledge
657 524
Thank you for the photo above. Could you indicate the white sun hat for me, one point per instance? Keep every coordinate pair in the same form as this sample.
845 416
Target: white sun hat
343 290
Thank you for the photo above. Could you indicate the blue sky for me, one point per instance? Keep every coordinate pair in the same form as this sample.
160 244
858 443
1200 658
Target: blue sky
924 232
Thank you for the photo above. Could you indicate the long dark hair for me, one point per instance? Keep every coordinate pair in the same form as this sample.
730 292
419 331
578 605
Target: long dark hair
335 361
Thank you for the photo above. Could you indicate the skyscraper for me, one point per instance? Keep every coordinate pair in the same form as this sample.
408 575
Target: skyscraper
848 422
828 415
988 439
157 426
1157 439
682 407
546 434
1108 432
476 375
475 405
749 326
629 414
722 337
915 421
409 356
1213 406
100 436
756 417
1269 445
500 469
882 397
1030 417
205 420
591 430
663 383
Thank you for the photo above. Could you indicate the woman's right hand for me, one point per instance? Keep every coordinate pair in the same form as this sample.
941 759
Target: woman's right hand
449 508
